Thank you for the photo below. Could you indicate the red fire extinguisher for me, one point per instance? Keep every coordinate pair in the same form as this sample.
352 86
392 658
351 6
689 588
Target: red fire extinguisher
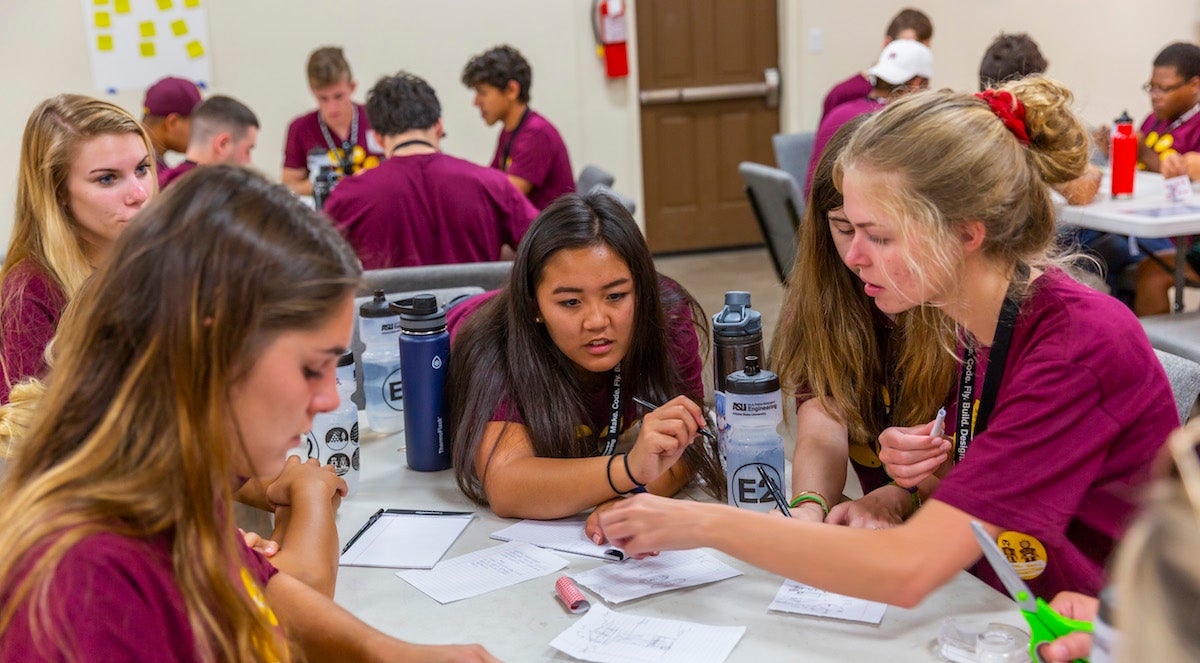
612 35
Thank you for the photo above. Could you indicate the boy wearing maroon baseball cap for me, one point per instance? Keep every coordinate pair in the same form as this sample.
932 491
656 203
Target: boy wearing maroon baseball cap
168 115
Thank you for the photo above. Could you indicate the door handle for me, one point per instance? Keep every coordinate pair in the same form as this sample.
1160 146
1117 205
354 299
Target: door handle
768 90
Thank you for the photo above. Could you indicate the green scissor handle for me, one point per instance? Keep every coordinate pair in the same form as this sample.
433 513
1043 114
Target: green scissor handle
1047 625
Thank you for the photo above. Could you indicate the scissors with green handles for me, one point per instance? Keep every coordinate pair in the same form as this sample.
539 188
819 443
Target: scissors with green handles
1044 623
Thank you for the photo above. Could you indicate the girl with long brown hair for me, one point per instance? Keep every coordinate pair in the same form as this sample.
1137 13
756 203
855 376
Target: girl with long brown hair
195 358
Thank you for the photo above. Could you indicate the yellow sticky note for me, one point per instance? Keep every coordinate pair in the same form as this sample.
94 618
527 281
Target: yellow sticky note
147 49
179 27
164 5
146 28
121 6
100 3
195 49
191 4
104 43
103 20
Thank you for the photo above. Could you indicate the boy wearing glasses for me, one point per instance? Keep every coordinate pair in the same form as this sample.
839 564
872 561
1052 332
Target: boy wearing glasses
1172 130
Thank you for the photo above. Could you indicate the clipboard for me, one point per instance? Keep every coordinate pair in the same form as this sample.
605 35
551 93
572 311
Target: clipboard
404 538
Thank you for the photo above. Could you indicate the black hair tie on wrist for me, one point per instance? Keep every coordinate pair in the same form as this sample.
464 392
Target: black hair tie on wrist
637 484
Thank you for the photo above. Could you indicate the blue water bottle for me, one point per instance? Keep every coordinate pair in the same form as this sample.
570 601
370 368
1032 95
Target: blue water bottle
424 360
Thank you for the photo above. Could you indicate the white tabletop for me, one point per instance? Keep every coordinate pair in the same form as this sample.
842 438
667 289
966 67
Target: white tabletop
1147 214
517 623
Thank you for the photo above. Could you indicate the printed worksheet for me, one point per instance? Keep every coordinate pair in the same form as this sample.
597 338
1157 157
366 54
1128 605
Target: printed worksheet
605 636
802 599
565 534
483 571
636 578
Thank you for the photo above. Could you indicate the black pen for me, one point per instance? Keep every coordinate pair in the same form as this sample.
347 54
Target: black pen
652 407
370 521
774 490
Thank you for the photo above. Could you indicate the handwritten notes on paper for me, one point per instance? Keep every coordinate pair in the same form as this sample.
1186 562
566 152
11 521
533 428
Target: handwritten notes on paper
604 636
636 578
566 534
483 571
805 600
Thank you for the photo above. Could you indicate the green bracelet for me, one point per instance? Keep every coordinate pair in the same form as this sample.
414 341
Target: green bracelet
810 496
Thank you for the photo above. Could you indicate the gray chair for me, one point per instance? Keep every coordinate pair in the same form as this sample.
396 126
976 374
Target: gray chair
1184 376
1177 333
793 152
592 176
775 199
449 283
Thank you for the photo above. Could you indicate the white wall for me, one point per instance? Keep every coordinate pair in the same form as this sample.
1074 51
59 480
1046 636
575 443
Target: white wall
259 49
1101 49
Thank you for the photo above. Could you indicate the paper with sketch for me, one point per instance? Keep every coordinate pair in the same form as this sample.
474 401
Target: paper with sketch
483 571
565 534
805 600
636 578
605 636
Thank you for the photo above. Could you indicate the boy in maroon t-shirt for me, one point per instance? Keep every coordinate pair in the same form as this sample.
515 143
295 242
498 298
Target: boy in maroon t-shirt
908 24
224 130
338 128
530 150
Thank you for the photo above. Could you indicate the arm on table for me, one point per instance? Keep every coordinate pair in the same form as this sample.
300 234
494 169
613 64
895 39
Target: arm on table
519 484
327 632
819 460
893 565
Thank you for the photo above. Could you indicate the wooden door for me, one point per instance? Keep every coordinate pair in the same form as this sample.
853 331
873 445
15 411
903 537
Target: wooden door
705 108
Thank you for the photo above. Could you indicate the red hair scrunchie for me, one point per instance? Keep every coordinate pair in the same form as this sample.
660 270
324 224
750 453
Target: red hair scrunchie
1010 110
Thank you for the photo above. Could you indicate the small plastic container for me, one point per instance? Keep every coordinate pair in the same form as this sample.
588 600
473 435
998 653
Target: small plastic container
966 641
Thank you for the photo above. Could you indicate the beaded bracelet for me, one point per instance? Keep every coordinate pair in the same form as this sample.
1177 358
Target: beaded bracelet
810 496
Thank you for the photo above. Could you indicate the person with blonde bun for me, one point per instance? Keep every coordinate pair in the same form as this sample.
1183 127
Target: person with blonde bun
1065 401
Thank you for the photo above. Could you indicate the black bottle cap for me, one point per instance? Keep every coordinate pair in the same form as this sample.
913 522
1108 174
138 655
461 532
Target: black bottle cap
1124 119
377 307
752 379
420 313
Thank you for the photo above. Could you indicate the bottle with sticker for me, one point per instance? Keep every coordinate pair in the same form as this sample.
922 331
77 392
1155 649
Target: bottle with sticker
1123 156
333 439
754 412
383 390
737 334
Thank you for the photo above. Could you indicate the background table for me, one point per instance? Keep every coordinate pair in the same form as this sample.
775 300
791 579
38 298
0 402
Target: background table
518 623
1147 214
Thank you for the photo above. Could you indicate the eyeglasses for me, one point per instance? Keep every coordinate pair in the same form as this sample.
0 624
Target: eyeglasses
1164 89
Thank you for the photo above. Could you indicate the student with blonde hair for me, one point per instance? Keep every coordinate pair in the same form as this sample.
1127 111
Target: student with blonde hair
209 340
853 369
86 168
1065 403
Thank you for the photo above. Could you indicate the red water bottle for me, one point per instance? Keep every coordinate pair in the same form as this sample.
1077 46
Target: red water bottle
1123 156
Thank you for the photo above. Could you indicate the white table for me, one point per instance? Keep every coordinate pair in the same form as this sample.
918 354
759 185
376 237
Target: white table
1147 214
518 623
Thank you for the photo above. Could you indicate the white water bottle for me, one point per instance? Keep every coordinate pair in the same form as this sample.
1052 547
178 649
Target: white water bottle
383 391
333 439
754 410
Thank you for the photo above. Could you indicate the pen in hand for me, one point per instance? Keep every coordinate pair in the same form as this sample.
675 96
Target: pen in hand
775 492
939 424
652 407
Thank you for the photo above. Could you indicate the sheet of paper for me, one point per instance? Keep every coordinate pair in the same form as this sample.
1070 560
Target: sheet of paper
805 600
605 636
406 540
566 535
483 571
636 578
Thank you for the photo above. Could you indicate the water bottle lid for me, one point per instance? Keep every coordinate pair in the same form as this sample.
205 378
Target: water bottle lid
346 359
377 307
752 379
1124 119
737 318
420 313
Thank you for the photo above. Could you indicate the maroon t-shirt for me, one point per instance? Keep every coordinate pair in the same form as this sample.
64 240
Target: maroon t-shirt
304 134
30 305
682 340
855 87
429 209
1082 410
171 174
537 155
114 598
829 126
1183 138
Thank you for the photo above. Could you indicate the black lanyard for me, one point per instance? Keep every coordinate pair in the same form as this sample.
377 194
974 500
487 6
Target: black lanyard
614 421
409 143
973 415
344 156
511 137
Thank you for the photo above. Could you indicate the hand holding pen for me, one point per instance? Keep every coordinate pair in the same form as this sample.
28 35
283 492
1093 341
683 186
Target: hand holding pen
910 454
666 432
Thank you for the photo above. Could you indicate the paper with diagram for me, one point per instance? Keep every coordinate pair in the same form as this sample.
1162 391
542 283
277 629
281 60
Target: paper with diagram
669 570
605 636
806 600
484 571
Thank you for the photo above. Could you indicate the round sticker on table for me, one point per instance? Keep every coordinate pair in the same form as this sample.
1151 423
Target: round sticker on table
1026 554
